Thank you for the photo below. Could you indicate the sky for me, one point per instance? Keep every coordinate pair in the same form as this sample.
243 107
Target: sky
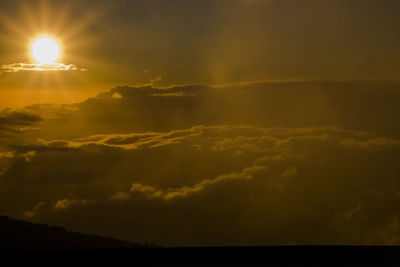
204 122
191 41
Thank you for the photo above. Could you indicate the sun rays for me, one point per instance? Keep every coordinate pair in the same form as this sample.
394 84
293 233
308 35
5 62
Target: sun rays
44 37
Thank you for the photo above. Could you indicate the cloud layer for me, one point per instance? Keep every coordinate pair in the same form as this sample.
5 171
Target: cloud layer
147 168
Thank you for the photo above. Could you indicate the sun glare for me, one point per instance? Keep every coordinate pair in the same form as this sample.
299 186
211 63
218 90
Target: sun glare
45 50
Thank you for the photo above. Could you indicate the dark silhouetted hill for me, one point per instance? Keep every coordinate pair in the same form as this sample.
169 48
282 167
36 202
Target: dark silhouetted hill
22 235
17 236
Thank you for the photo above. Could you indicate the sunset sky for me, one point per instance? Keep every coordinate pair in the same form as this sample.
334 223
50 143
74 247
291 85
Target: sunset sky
203 122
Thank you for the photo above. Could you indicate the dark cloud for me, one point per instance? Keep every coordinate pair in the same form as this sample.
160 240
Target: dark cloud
277 176
346 104
16 121
233 165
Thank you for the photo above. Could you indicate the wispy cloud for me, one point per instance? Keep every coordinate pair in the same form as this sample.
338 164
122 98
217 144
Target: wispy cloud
172 193
32 213
16 67
255 1
66 203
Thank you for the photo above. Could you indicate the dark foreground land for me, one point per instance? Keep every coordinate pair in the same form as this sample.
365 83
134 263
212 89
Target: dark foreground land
30 237
23 240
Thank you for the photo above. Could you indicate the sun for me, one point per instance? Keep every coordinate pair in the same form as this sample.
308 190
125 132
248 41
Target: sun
45 50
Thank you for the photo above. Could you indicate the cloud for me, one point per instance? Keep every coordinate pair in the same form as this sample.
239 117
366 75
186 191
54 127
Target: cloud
255 1
249 138
50 111
390 235
16 67
67 203
175 94
130 141
34 212
290 171
17 121
172 193
380 141
7 154
116 96
120 196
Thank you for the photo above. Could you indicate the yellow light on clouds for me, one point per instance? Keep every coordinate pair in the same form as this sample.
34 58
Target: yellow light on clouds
45 50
